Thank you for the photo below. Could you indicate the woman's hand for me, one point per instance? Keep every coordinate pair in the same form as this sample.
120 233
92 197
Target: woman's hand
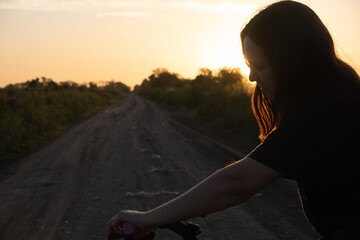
138 219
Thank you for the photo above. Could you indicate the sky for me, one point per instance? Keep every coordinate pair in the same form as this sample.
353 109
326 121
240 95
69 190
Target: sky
123 40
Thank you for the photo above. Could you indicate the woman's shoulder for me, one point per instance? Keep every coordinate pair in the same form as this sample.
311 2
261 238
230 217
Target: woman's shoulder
324 102
322 108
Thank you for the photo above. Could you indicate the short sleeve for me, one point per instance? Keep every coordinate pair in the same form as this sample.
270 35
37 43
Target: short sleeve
299 144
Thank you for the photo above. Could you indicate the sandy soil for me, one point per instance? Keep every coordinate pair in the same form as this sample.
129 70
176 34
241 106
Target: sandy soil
134 155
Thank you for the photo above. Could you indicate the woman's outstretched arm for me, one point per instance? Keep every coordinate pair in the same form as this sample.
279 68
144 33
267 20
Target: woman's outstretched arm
225 188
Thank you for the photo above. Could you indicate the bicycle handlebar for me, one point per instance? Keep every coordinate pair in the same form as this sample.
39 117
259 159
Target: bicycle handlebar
187 230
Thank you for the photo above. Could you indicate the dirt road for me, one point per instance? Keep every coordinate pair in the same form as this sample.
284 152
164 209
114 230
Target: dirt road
132 156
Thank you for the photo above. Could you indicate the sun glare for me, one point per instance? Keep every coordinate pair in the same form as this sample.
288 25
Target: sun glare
224 51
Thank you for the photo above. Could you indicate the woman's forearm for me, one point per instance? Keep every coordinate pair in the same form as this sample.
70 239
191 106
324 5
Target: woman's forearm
219 191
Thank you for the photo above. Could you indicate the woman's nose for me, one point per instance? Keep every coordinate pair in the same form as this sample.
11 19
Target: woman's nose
252 76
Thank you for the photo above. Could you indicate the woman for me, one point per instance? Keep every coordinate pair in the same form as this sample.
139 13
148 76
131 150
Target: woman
307 104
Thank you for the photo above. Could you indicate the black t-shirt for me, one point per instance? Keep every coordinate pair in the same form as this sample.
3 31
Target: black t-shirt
317 145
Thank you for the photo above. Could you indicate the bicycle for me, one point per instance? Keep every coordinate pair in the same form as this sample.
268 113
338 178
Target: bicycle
187 230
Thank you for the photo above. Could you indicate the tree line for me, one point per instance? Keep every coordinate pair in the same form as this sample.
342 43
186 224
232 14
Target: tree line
220 98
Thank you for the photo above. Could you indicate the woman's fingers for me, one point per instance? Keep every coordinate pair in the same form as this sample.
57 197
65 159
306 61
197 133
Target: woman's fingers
114 227
125 218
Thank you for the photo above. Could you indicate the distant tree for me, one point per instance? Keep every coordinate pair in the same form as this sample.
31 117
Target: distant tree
204 77
145 84
137 88
117 86
68 84
35 83
156 72
48 82
230 76
92 85
205 72
162 78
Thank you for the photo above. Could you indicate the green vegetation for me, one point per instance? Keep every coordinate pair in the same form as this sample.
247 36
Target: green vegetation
221 99
33 111
38 109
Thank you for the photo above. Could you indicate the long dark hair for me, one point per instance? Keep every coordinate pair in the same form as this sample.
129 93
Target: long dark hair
303 59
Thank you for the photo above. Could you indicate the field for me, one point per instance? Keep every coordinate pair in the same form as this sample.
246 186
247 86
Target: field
39 109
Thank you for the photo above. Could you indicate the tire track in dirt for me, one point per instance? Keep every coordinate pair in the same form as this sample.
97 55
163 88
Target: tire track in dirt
132 156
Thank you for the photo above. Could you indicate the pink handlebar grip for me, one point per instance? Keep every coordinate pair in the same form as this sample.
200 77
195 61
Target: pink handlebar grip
128 228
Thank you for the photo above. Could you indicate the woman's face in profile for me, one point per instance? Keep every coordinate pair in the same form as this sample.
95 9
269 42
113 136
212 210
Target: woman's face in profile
260 68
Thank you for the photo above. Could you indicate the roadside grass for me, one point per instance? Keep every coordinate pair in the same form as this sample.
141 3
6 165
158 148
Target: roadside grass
31 114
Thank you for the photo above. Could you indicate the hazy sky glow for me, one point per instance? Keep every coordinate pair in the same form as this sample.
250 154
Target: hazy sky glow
94 40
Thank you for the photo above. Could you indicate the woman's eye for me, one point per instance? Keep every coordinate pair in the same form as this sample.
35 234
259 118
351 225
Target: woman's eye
259 67
255 66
